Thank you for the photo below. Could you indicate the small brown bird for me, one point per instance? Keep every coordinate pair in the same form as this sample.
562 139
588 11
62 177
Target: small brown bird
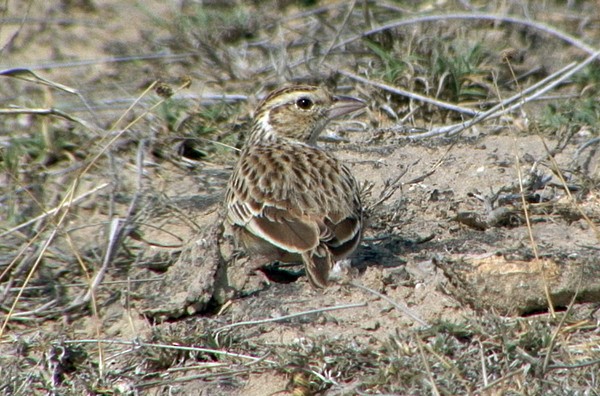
287 199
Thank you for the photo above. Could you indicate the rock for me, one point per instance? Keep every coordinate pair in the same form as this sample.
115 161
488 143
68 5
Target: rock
516 286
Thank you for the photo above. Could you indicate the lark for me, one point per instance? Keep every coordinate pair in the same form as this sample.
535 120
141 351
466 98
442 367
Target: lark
287 199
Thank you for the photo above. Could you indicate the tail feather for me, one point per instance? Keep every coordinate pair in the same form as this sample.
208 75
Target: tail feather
318 264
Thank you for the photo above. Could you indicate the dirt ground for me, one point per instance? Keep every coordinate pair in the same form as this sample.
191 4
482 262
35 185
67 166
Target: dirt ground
479 272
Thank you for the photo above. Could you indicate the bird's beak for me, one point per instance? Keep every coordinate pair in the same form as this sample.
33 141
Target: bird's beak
344 105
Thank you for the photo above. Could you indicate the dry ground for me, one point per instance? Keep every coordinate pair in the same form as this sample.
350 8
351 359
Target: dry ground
479 272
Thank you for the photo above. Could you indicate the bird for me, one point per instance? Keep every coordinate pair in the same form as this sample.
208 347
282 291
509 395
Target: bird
288 200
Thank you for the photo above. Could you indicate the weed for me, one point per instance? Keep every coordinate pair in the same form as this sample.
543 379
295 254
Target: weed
393 64
460 64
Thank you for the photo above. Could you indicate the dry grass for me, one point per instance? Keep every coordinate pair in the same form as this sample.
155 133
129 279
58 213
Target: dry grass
94 171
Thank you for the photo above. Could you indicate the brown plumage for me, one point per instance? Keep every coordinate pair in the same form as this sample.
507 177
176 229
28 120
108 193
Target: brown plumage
287 199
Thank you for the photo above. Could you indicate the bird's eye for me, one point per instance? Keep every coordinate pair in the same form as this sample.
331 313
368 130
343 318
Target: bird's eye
304 103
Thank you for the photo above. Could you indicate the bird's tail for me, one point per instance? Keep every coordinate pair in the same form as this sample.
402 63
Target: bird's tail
318 263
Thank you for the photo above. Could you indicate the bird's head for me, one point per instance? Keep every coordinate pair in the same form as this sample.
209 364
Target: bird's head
300 113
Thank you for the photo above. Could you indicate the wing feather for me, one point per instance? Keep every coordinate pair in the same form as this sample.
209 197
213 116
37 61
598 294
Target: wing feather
293 198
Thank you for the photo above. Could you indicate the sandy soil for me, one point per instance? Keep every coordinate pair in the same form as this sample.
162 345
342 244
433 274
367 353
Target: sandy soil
449 243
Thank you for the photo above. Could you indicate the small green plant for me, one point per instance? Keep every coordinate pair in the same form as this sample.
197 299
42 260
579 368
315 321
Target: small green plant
393 65
572 114
227 24
171 111
199 132
24 158
452 71
459 64
589 78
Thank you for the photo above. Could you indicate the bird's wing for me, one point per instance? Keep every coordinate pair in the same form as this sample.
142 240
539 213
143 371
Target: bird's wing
294 199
